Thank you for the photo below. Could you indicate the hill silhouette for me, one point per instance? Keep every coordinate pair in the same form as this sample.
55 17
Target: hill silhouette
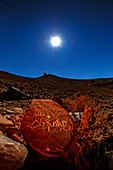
50 86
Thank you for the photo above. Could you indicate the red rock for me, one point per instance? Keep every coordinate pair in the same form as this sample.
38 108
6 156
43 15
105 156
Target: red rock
48 128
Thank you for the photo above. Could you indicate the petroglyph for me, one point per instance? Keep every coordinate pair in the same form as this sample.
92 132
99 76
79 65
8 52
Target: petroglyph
48 128
48 120
47 124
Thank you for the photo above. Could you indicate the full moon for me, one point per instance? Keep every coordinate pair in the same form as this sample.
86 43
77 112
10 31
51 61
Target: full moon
55 41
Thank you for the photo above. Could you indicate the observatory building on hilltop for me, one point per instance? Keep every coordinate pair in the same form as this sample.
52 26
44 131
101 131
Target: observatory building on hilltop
45 74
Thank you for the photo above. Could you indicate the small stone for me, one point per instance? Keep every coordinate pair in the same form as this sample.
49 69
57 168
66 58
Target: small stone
12 154
7 117
5 123
1 133
76 115
17 117
18 110
10 112
4 111
17 138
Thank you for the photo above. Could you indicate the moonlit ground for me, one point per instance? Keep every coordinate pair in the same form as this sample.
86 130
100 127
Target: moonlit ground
55 41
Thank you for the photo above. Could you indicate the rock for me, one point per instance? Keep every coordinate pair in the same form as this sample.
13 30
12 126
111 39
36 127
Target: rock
1 133
4 123
17 117
4 111
12 154
49 129
14 93
8 117
18 110
18 138
10 111
11 131
76 115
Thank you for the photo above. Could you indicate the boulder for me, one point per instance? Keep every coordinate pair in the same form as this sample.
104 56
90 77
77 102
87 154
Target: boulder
5 123
12 154
14 93
49 129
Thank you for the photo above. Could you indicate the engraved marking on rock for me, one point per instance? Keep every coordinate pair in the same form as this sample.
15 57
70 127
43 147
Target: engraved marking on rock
46 124
41 121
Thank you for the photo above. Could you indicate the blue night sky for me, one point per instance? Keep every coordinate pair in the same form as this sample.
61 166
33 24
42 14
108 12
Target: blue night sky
85 27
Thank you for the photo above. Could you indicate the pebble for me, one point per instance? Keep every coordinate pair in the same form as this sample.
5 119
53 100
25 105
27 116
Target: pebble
18 110
1 133
17 117
10 112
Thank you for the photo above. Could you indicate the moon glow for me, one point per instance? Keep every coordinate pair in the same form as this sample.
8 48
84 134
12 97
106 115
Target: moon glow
55 41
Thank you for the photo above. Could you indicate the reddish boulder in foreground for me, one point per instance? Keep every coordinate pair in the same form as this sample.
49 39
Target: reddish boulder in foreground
48 128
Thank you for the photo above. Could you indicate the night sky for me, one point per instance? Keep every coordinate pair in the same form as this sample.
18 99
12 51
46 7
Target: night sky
84 26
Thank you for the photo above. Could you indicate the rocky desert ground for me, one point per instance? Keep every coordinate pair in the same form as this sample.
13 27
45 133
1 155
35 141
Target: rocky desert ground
16 94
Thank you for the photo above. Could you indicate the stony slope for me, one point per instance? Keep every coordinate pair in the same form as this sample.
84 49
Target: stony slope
49 87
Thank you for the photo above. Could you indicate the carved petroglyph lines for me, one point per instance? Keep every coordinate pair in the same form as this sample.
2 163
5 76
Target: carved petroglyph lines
47 124
35 124
61 124
39 111
47 120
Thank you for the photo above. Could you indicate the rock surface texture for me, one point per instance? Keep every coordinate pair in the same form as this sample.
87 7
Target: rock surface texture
4 123
12 154
48 128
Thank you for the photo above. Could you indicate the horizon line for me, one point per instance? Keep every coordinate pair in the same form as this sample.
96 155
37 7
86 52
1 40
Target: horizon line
55 75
